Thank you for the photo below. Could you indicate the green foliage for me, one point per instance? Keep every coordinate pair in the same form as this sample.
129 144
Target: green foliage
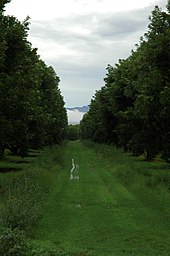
2 4
73 132
132 109
13 242
32 112
22 202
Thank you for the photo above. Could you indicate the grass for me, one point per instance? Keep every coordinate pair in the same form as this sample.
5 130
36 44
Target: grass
13 163
107 211
22 193
119 205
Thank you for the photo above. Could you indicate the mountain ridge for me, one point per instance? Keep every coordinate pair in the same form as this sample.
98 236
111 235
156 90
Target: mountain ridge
75 114
83 109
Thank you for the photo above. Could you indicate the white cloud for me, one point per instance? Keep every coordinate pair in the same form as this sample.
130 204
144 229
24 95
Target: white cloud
74 116
45 10
80 37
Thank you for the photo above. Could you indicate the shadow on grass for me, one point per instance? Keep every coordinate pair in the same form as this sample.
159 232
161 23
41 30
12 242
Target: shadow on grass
9 169
20 161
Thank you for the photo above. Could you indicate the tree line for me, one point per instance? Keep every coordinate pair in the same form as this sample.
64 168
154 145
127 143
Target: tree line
32 112
132 109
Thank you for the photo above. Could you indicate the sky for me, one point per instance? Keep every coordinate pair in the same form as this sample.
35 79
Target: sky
79 38
74 116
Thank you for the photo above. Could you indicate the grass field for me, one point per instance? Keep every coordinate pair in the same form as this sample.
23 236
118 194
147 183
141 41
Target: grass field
120 205
100 215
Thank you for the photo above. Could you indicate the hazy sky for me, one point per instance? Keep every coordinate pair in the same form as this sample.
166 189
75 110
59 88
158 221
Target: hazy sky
80 37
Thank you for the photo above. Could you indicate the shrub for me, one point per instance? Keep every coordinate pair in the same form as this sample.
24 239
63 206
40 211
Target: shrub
73 132
13 243
21 207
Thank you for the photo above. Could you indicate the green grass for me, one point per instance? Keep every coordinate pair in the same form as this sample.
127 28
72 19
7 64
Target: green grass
12 163
22 194
119 206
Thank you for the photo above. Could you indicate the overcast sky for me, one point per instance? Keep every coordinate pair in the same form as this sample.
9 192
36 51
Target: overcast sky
79 38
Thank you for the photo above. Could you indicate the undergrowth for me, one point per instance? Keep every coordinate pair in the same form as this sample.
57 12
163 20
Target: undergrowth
21 204
23 194
133 171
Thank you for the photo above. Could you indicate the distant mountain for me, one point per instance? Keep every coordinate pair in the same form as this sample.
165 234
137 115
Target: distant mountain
75 114
83 109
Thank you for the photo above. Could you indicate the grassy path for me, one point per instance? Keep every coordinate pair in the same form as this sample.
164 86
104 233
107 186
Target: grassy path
96 215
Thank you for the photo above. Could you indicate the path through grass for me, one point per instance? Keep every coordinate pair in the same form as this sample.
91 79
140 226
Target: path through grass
97 215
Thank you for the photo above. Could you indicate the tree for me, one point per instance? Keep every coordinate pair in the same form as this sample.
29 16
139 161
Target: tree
32 112
3 3
132 109
73 132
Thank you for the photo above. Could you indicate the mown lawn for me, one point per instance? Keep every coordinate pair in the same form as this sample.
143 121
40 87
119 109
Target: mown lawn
120 205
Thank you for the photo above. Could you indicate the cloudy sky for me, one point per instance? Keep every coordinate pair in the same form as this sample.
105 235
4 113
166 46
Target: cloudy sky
79 38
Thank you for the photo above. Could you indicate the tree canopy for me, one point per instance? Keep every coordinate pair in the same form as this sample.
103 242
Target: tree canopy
32 112
132 109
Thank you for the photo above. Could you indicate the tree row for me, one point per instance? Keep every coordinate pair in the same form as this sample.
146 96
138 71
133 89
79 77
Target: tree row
32 112
132 109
